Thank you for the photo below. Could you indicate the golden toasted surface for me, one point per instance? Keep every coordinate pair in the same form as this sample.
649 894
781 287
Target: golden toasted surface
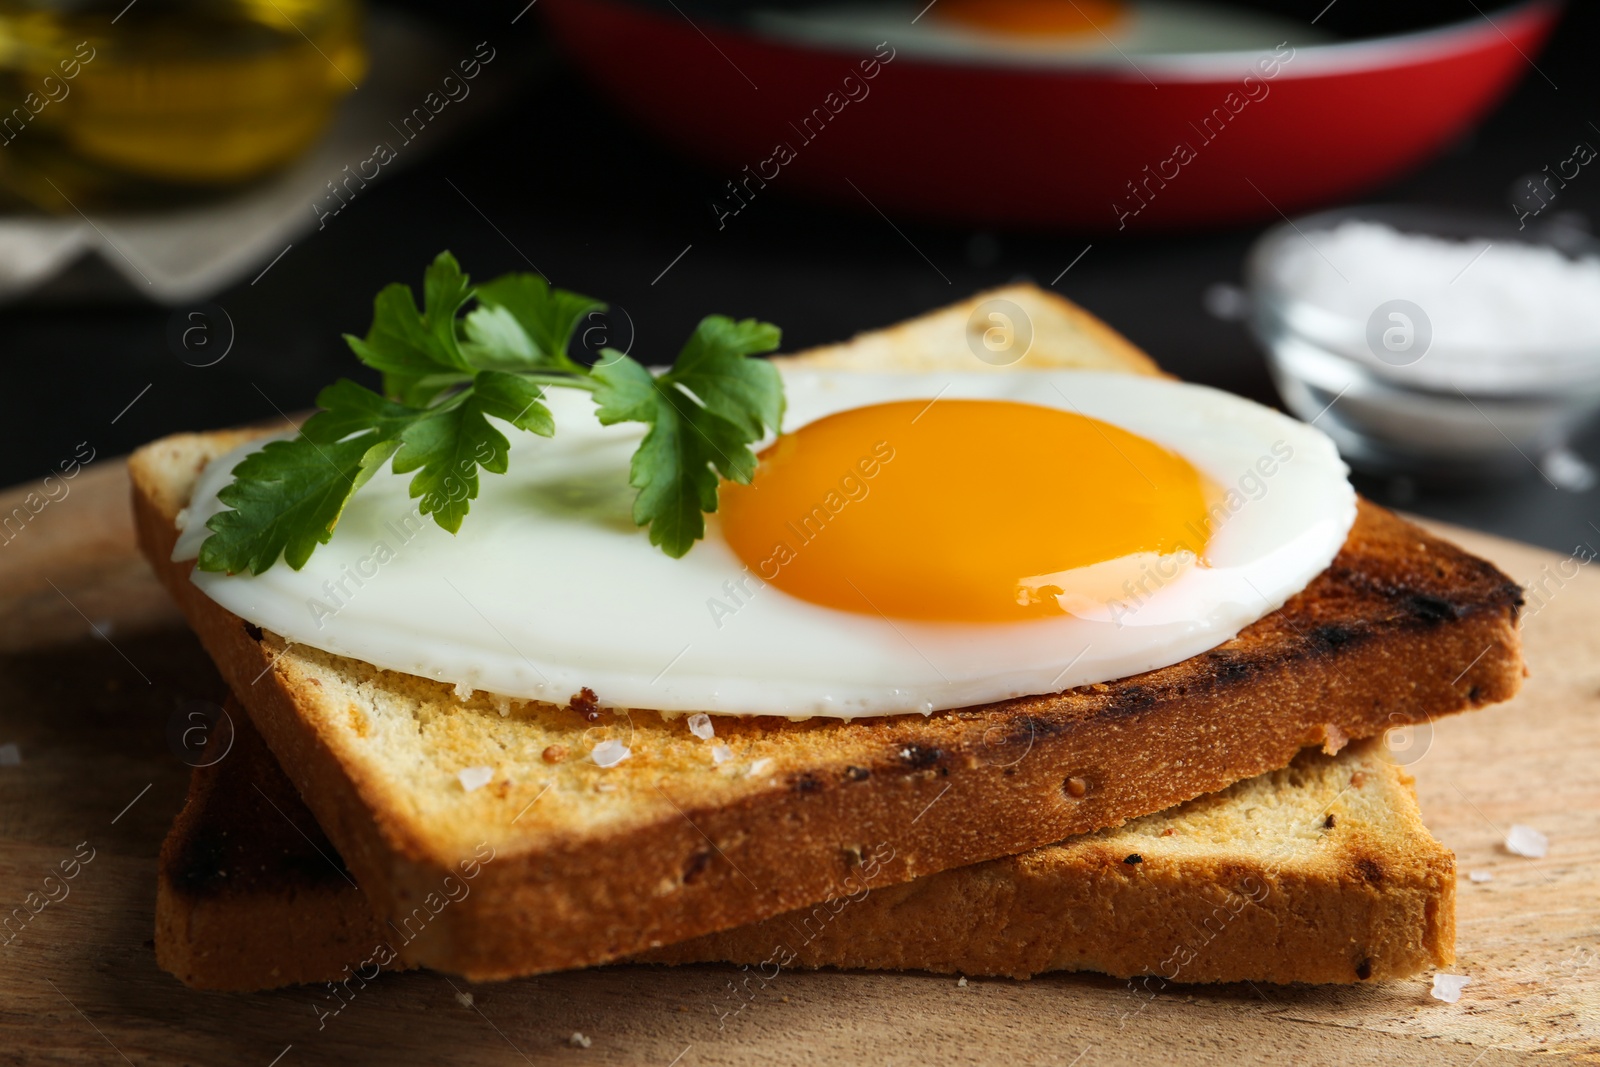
595 863
1041 330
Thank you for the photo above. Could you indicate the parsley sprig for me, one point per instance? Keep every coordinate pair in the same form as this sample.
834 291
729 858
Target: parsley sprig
447 374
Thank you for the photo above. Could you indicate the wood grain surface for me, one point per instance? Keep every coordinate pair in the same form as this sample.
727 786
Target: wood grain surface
94 667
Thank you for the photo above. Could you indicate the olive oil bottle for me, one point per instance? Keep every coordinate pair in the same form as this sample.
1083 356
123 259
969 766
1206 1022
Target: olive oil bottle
125 104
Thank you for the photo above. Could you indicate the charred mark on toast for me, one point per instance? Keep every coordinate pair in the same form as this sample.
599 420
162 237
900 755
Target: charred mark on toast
1434 609
253 631
1327 824
695 865
1133 859
920 757
1332 635
1474 696
856 774
201 866
213 863
1369 870
805 783
1364 969
1130 699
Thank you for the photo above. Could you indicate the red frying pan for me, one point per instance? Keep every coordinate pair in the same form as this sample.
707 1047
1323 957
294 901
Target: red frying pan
1116 144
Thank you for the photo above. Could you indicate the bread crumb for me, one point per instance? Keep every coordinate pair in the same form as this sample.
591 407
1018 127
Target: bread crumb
721 754
555 754
474 778
1333 739
577 1040
961 983
10 755
700 726
1480 876
1526 841
1448 987
1168 832
1358 779
609 753
464 999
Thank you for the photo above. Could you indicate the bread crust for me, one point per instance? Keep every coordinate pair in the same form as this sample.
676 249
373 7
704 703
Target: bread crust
1060 335
1320 872
1401 627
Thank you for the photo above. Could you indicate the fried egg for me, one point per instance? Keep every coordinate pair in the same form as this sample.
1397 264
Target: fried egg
1037 30
915 542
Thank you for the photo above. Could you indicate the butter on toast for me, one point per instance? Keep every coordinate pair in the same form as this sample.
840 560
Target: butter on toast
1320 872
593 864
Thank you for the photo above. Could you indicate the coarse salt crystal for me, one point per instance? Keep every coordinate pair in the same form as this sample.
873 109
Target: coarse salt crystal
609 753
474 778
1448 987
962 982
721 754
1481 876
464 691
758 766
464 999
1526 841
578 1040
700 726
10 755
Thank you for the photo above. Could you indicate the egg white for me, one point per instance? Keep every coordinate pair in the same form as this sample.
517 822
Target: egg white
1147 28
550 588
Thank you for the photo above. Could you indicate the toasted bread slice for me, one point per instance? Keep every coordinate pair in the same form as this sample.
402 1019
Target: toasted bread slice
1318 872
1052 334
595 864
1322 872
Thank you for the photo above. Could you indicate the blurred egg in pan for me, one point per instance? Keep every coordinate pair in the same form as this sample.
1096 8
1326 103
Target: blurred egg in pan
1071 30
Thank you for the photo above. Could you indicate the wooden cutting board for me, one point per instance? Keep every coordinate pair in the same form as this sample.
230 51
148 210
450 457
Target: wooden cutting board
94 663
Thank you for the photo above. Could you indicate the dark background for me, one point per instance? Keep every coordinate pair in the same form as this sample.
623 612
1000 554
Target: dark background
557 180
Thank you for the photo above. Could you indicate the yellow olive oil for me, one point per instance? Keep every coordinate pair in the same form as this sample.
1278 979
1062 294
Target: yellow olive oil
114 103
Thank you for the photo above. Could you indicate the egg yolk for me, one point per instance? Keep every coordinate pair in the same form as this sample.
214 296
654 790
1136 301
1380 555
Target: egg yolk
1034 18
959 510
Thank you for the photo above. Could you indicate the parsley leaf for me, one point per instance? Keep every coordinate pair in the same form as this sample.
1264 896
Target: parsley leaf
446 447
515 399
286 499
417 351
449 369
703 414
548 316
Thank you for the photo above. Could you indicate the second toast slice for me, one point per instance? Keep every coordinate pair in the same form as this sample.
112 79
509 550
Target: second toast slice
1320 872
